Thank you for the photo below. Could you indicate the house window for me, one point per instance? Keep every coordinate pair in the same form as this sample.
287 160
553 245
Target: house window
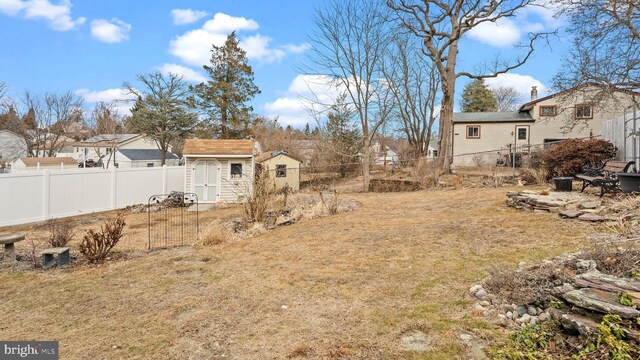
549 110
281 170
522 134
236 171
149 164
473 132
584 112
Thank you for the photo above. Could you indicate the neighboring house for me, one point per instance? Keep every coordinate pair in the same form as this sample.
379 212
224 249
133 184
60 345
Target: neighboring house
97 146
569 114
283 168
12 147
382 154
43 163
219 170
133 158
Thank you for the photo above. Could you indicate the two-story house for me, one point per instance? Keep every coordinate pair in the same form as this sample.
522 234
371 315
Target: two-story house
486 138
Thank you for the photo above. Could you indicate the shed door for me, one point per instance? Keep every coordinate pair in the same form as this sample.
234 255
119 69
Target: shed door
206 181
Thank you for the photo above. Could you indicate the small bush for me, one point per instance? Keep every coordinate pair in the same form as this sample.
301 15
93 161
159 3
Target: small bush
95 246
215 234
332 202
569 156
257 204
60 232
534 285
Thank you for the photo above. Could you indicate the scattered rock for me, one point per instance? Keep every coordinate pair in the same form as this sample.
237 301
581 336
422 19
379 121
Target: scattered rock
415 340
579 324
524 319
474 289
591 217
465 337
509 315
485 303
564 288
585 265
544 317
481 293
571 214
522 264
531 310
590 205
521 310
600 301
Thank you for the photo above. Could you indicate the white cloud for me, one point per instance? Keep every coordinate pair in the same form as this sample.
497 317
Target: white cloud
499 34
11 7
186 16
522 84
121 97
194 46
307 94
57 15
296 49
510 31
187 73
257 47
110 32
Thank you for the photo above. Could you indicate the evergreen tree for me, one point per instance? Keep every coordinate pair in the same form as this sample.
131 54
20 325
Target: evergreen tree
224 97
344 138
307 130
477 97
161 111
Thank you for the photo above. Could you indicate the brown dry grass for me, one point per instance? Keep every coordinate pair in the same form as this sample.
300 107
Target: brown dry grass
351 285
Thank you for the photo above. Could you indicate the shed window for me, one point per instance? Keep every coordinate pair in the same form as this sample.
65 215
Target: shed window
473 132
236 171
281 170
584 112
149 164
549 110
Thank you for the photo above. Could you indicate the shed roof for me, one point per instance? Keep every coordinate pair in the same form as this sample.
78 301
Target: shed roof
492 117
44 161
217 147
146 154
270 155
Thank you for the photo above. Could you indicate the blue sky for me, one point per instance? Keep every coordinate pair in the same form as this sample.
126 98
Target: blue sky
92 47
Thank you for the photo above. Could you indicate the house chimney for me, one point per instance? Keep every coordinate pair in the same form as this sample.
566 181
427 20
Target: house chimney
534 93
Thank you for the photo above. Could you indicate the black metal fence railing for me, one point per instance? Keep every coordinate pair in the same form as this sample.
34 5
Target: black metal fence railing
172 220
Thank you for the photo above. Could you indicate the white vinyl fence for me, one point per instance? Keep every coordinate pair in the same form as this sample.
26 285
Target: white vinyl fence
31 197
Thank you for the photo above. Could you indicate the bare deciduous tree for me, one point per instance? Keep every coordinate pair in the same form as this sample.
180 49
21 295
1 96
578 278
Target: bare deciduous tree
414 83
507 98
349 47
440 24
42 121
606 44
105 120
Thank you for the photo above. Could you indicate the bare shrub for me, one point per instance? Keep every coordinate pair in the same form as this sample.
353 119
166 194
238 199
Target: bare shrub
259 200
614 260
332 201
532 285
61 232
32 254
96 245
568 157
215 234
534 176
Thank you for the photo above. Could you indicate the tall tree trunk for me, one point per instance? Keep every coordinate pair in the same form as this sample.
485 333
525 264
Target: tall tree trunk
445 151
366 163
163 156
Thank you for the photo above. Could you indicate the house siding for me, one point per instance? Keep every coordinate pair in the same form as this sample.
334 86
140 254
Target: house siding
497 135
